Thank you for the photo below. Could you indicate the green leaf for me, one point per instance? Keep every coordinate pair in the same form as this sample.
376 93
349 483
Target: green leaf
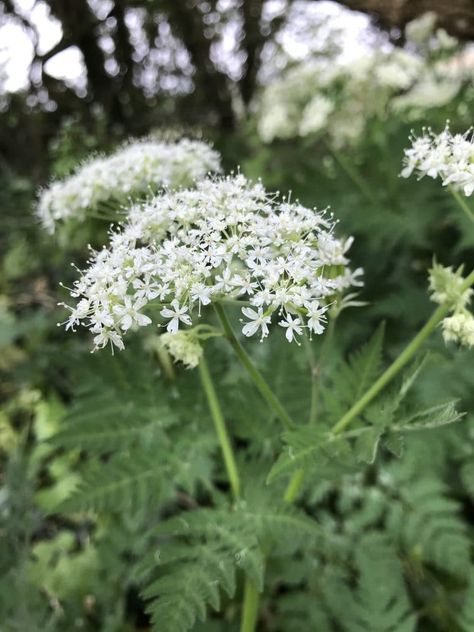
311 447
366 445
431 417
208 546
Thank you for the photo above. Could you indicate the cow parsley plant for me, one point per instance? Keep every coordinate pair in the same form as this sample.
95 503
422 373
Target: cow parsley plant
225 240
132 171
447 156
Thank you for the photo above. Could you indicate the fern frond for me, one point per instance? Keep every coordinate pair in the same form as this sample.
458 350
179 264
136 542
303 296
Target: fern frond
430 528
125 483
312 448
213 545
379 602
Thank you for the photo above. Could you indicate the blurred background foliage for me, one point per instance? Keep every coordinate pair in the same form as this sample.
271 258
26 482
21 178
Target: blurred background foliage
164 65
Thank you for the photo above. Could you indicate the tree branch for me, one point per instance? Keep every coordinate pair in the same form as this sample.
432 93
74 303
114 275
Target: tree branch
186 22
455 16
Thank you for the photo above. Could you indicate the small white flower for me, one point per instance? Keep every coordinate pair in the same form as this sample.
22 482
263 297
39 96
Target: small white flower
129 314
293 327
316 316
108 336
258 320
177 314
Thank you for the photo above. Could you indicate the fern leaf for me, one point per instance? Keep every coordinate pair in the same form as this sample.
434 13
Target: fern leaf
430 527
124 483
309 447
431 417
212 545
379 602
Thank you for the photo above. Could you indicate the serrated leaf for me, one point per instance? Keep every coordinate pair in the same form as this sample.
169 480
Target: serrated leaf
432 417
310 447
366 445
394 442
412 375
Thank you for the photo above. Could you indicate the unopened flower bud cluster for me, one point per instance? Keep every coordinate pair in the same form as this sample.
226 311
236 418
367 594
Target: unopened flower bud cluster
446 286
133 170
184 347
225 239
447 156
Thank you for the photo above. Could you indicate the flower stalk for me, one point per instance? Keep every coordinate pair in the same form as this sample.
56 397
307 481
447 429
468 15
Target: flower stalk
259 381
461 203
250 608
251 594
221 430
406 355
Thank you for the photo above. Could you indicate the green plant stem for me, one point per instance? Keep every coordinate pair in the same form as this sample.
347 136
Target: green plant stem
251 594
221 430
293 486
256 376
462 203
251 605
165 360
406 355
317 370
399 363
314 367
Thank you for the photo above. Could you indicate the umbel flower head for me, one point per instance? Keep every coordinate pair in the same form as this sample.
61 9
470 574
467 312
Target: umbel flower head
337 97
446 286
225 239
447 156
131 171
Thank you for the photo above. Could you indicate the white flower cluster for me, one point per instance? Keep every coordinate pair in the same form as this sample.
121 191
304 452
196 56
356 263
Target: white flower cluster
446 156
446 287
338 96
133 170
422 31
225 239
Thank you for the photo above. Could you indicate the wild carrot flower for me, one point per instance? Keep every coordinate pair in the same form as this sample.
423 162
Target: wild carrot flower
134 170
227 239
447 156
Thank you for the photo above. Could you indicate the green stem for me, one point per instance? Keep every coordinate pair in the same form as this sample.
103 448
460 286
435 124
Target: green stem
256 376
314 367
293 486
462 203
251 595
399 363
319 368
384 379
165 360
219 423
250 609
